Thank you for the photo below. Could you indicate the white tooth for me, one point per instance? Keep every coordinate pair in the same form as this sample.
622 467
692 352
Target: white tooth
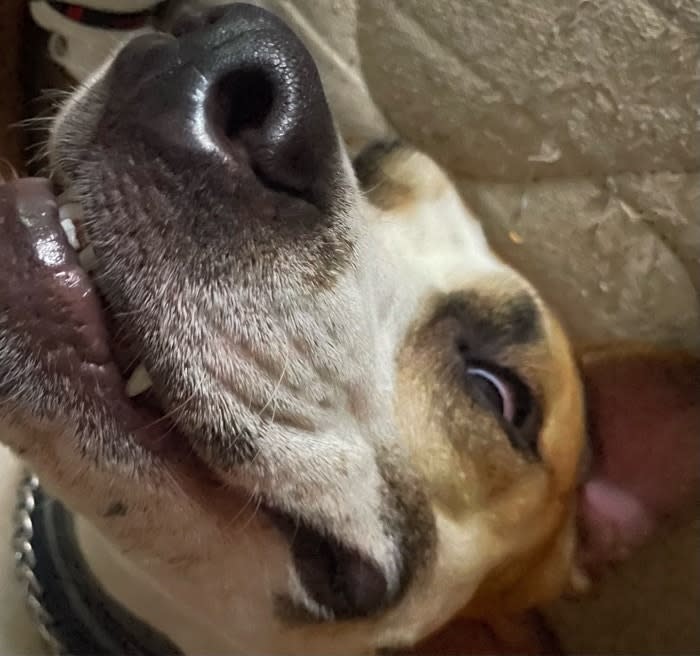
87 258
71 233
68 214
72 211
139 382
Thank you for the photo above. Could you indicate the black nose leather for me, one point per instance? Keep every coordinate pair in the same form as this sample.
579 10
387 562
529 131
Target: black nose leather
239 81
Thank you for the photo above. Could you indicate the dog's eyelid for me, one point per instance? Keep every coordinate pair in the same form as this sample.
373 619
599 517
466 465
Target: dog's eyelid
519 412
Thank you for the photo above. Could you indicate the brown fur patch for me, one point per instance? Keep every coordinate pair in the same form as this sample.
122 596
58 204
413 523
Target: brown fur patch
463 450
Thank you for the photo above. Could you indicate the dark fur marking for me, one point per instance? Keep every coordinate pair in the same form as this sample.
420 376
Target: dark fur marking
368 163
490 327
409 515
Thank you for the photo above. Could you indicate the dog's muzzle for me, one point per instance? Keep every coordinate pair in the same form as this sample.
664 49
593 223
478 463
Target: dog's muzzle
209 156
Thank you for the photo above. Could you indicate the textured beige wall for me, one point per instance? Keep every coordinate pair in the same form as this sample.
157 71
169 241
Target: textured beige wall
518 89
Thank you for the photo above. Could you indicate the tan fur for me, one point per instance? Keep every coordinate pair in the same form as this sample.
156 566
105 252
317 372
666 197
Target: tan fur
528 506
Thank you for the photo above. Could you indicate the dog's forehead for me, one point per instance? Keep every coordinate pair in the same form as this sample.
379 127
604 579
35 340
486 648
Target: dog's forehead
438 243
437 247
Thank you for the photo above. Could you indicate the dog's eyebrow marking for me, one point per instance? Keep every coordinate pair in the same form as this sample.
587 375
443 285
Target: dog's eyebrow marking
116 509
380 188
491 324
522 318
368 163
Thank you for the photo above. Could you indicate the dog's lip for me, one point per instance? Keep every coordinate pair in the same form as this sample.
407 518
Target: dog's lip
53 303
55 309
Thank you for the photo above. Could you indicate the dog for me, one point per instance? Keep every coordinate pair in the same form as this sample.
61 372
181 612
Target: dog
279 403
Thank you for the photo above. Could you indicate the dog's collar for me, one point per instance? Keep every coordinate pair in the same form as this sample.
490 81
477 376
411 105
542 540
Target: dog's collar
112 20
73 613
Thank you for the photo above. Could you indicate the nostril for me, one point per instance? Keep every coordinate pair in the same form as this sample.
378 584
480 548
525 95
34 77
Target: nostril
246 110
261 96
241 100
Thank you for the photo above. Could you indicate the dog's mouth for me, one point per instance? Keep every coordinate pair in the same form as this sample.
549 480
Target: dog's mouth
47 277
48 280
49 294
135 379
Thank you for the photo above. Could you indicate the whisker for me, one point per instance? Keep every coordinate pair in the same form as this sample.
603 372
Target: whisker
252 495
253 516
273 398
170 413
12 172
273 394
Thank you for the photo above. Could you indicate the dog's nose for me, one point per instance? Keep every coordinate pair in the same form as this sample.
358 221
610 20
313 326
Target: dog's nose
238 81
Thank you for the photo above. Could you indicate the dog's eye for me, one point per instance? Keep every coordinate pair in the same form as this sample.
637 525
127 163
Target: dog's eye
496 391
507 395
